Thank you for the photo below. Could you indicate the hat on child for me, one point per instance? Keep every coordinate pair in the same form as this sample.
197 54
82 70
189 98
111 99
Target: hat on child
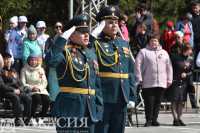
32 30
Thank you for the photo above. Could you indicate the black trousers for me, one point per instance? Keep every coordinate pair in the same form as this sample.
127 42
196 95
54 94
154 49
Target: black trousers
38 99
114 118
16 101
152 100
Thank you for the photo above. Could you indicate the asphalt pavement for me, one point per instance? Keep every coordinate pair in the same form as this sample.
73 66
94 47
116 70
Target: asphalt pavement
192 119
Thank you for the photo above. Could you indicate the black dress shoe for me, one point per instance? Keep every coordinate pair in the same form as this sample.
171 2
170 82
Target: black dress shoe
195 107
176 123
181 123
155 123
148 124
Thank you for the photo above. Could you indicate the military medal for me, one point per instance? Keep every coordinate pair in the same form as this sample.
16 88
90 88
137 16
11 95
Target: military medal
80 62
75 59
106 45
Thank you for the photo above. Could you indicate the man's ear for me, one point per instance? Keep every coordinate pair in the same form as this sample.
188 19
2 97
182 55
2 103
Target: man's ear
72 37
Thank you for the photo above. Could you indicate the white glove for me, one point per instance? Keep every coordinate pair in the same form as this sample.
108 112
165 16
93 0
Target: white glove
131 105
95 33
68 33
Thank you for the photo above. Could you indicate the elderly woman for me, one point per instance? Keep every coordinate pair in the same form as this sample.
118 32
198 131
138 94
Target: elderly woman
154 73
33 77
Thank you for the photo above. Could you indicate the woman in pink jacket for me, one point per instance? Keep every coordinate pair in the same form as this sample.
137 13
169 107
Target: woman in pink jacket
154 73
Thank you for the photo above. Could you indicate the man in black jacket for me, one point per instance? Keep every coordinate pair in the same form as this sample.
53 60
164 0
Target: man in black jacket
12 89
195 10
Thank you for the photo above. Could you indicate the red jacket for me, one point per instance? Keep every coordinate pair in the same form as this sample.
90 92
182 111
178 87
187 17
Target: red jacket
169 39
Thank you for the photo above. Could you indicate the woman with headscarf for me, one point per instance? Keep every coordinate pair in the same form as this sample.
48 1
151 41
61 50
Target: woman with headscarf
33 78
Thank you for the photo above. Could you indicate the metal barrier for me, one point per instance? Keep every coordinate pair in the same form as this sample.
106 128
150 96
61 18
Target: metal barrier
196 83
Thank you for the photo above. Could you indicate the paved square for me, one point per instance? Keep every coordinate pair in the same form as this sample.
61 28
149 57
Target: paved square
191 119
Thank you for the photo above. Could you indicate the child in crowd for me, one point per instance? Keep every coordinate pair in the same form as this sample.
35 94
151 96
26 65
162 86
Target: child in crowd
31 45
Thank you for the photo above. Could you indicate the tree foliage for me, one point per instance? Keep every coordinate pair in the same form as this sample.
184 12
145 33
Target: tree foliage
13 7
57 10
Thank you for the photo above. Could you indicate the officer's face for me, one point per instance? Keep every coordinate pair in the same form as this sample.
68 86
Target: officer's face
111 27
154 43
80 38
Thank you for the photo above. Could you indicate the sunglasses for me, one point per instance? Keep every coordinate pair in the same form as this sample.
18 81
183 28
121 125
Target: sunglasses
58 27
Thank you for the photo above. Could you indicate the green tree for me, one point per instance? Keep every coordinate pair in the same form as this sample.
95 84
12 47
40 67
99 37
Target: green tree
10 8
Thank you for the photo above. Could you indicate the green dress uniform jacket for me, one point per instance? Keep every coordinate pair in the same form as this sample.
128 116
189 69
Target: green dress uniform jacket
116 69
80 90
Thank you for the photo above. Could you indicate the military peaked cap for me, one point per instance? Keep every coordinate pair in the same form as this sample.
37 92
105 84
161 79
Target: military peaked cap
81 23
108 12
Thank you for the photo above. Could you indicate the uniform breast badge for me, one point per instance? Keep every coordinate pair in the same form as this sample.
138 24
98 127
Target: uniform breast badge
126 51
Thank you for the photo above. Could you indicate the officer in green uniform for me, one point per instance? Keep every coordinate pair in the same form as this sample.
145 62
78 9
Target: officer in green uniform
79 104
116 70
